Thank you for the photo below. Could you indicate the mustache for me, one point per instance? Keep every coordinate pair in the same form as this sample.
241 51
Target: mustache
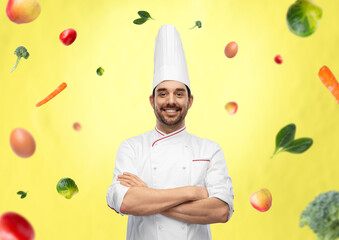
170 106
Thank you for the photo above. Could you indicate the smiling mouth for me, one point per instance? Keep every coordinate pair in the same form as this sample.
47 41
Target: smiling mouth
170 110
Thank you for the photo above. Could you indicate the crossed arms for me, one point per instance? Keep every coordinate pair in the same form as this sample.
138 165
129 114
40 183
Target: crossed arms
128 194
190 204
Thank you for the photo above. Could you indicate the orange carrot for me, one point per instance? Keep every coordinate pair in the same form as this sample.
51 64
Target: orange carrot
328 79
61 87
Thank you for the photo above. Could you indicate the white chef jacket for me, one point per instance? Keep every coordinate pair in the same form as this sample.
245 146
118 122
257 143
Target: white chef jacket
166 161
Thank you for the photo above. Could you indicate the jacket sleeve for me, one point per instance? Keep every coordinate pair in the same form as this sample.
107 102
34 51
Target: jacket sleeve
124 162
218 182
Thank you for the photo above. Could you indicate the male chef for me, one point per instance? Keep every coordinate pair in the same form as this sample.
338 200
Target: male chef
172 184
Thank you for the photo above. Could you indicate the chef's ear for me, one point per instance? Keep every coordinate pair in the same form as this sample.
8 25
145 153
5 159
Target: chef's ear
151 100
190 101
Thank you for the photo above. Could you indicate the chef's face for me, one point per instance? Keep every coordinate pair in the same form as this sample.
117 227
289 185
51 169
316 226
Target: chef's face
171 103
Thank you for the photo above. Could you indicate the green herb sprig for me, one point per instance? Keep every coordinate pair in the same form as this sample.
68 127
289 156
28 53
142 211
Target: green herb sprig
285 141
22 193
144 17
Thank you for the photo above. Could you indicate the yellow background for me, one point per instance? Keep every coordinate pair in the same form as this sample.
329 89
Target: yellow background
115 106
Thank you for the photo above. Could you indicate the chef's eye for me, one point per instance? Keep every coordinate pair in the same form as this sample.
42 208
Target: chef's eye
162 94
179 94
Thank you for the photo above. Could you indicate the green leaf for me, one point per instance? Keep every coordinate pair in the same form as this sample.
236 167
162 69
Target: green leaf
298 146
22 193
285 136
140 21
144 14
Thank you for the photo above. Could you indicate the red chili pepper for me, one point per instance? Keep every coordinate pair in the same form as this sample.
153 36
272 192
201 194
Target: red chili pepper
68 36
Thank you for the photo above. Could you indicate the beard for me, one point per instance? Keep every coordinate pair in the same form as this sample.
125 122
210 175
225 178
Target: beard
167 120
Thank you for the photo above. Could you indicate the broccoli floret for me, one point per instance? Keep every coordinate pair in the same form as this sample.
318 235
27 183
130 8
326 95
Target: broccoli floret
197 24
322 216
20 52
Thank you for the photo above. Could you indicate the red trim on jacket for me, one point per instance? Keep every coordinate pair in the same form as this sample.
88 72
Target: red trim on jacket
169 136
197 160
159 131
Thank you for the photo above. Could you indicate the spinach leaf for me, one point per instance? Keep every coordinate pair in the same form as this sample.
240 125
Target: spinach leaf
285 135
140 21
298 146
22 193
144 14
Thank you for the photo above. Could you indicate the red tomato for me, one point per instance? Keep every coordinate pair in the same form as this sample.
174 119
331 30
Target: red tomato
68 36
15 227
278 59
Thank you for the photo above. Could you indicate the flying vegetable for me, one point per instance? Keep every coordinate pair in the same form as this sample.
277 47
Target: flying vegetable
197 24
303 17
20 52
67 187
322 216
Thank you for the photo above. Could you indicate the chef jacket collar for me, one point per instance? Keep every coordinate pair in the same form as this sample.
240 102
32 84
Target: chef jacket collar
159 135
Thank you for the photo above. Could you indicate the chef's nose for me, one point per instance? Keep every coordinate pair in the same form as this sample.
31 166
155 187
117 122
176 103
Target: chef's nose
171 98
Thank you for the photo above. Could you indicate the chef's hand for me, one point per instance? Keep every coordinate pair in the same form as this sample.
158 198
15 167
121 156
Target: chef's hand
131 180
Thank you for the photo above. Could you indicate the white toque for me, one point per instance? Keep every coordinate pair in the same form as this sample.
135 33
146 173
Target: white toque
169 57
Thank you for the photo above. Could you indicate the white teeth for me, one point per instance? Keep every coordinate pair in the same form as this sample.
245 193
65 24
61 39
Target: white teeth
171 111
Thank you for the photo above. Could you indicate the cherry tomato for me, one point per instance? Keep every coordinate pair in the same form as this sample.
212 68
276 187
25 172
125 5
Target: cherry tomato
15 227
68 36
278 59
